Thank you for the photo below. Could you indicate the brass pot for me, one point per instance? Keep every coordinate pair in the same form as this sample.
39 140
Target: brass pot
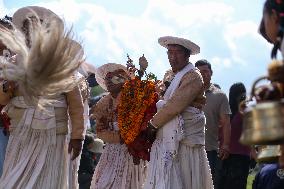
263 124
268 154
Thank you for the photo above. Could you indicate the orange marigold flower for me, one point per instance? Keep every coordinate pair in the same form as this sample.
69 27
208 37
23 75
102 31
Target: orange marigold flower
136 98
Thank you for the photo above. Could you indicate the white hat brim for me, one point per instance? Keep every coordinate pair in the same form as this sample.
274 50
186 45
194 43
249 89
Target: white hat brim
40 12
102 71
169 40
98 146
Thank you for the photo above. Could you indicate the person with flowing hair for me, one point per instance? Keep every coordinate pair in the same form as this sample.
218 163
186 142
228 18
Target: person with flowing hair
43 96
235 169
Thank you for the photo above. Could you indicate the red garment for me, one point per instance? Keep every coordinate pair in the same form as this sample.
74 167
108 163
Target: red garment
5 119
236 130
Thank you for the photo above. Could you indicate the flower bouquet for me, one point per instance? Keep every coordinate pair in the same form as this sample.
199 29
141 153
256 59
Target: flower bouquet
136 107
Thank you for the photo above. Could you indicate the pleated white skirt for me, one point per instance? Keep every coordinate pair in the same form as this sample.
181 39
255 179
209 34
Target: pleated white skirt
35 159
116 170
188 170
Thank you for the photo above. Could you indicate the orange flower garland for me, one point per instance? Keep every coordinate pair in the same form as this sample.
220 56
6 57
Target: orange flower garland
136 97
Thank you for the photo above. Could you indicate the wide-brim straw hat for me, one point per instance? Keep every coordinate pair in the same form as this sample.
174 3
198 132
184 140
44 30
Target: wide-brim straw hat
43 14
102 71
169 40
98 146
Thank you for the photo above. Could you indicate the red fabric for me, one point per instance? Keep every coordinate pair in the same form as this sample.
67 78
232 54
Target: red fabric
236 130
140 147
5 119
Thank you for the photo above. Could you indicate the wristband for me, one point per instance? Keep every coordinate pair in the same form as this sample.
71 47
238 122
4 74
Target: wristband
155 127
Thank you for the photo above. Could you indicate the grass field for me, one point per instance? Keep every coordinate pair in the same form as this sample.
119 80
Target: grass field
250 180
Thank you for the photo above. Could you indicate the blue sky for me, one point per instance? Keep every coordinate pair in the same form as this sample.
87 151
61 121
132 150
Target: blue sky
226 31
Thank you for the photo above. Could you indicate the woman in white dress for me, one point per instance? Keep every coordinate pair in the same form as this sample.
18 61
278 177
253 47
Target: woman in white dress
115 169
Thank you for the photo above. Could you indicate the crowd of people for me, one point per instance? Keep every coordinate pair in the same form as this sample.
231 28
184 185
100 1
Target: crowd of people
46 112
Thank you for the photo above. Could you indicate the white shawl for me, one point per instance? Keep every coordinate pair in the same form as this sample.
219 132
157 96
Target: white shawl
172 132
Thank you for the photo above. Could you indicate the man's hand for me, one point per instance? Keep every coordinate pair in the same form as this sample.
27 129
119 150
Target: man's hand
160 86
151 132
226 128
75 146
224 152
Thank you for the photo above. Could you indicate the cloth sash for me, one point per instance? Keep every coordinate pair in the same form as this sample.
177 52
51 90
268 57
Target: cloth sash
38 118
164 171
173 132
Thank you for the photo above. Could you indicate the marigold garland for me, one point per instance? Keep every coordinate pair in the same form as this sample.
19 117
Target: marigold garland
137 97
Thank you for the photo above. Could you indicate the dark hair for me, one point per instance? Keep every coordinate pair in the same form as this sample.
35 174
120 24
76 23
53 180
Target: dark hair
203 62
187 51
217 85
236 95
6 22
278 6
262 31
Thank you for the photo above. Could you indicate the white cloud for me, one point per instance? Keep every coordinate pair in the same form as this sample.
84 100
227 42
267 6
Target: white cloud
237 35
109 36
220 62
190 14
137 35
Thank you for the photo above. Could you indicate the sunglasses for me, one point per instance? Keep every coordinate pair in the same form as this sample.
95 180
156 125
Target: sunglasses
116 79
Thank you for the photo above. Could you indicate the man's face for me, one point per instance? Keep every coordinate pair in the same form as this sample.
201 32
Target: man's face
120 76
206 74
178 57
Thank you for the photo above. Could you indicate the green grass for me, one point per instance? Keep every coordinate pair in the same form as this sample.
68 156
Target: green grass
250 180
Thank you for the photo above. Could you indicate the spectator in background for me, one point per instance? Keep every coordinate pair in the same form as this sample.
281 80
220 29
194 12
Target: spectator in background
97 149
235 168
91 152
217 112
269 177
